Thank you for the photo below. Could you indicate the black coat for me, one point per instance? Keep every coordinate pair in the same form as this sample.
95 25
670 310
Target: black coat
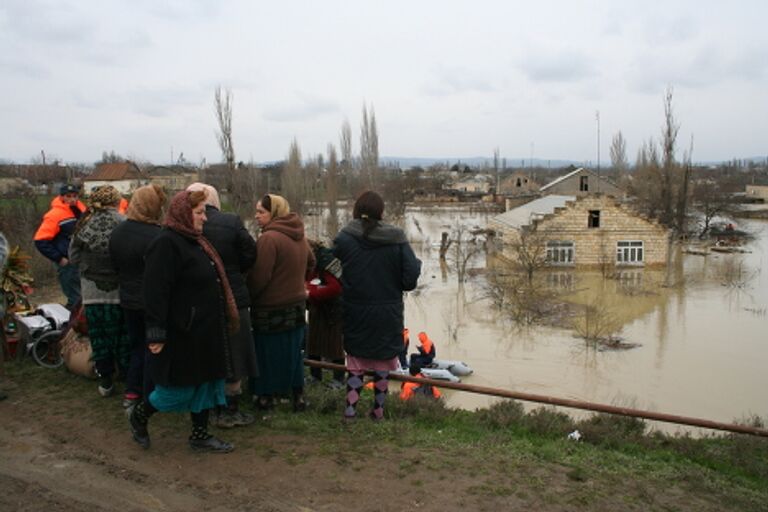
235 246
375 273
184 307
127 245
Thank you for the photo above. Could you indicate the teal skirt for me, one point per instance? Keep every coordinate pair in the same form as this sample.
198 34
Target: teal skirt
188 398
281 362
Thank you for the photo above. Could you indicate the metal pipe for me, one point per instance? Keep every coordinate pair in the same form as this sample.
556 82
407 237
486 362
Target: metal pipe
564 402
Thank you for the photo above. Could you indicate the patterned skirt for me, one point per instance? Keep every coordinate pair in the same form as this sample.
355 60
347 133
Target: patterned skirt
108 333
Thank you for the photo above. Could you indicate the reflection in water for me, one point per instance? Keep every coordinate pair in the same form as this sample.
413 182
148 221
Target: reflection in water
703 347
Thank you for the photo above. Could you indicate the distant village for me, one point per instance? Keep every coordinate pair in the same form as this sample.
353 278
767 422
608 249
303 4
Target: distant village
577 213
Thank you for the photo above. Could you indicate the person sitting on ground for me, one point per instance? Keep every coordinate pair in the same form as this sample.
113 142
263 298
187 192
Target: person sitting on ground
237 249
53 236
409 389
426 350
190 308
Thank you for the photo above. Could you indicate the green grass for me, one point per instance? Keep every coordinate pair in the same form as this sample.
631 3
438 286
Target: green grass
508 452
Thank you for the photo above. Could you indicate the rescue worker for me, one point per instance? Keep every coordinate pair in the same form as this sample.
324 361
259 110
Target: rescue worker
426 350
409 389
54 234
122 208
403 356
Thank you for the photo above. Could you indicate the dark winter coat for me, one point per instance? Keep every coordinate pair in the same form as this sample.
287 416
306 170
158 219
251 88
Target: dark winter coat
184 307
376 270
235 246
127 246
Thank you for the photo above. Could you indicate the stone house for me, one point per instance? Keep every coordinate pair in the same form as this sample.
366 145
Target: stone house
478 184
124 176
518 183
587 231
582 182
172 178
757 193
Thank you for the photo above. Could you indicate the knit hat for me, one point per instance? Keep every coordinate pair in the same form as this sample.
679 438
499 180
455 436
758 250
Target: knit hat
104 197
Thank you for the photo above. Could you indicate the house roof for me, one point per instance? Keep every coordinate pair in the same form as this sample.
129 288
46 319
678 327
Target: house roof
536 209
115 171
573 173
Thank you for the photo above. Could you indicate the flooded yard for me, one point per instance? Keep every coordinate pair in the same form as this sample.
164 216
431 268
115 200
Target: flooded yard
702 344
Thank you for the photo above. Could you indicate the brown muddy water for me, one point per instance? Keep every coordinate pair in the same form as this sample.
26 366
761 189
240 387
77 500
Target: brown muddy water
702 344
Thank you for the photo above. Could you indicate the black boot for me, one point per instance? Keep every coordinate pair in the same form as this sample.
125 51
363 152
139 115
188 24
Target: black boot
138 421
299 404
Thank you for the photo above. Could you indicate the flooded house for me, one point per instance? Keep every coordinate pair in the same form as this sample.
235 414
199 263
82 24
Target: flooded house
172 177
582 182
587 231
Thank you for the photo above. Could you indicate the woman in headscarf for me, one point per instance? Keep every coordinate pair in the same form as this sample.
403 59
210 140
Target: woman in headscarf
99 284
278 302
127 245
189 310
378 265
237 249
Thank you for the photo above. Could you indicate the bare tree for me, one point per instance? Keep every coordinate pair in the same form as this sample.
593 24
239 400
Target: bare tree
711 201
369 148
668 164
332 192
291 178
223 104
619 154
530 251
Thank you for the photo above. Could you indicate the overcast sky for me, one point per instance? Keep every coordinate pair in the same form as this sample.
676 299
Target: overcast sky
446 79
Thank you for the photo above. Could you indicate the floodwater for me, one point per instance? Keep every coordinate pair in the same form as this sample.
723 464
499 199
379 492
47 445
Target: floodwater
702 344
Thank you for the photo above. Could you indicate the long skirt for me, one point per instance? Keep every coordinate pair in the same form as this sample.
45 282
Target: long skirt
109 337
281 367
188 398
242 352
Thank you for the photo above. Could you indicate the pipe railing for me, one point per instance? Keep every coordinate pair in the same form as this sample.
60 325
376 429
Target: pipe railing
565 402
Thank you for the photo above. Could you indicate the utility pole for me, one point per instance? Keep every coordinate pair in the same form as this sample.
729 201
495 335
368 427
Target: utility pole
597 117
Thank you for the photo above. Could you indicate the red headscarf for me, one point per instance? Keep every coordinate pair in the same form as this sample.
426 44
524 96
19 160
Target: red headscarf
179 219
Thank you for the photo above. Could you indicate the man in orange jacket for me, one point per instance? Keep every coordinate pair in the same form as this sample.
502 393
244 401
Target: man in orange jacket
426 350
54 234
409 389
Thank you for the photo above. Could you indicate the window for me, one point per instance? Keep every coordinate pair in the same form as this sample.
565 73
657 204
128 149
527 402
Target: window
629 252
584 183
560 252
593 221
519 183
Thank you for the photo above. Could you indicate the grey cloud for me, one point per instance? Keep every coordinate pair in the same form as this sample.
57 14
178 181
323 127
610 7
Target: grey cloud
664 32
562 66
448 82
305 109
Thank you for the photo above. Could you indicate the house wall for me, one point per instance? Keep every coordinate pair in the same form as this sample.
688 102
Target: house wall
518 183
572 186
596 246
757 192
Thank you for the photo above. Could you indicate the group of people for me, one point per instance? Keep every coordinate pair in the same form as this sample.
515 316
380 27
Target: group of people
187 306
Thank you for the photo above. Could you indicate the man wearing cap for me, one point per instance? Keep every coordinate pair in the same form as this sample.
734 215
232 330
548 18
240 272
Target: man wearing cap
53 236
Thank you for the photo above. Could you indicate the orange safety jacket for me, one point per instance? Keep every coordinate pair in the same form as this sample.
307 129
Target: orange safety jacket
426 344
123 206
409 389
53 236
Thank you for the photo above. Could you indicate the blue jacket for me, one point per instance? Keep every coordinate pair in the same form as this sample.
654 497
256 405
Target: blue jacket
376 270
